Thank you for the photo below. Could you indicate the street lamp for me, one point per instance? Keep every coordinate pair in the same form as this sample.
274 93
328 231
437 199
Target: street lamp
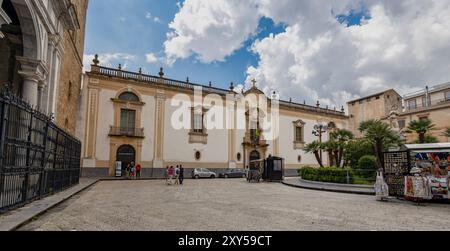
318 131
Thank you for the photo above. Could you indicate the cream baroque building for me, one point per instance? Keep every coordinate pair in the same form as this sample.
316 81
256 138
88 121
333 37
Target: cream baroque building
127 116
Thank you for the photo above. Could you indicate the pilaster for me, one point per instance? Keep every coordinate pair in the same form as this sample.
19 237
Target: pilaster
160 107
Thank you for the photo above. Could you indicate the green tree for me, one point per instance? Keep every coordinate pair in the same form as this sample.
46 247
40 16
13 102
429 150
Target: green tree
367 166
355 149
421 127
342 137
332 149
447 133
381 136
428 140
315 148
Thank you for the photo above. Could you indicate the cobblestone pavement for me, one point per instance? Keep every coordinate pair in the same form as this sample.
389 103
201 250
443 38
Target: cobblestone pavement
233 205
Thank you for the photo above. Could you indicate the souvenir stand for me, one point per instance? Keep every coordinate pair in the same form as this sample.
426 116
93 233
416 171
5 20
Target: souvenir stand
419 172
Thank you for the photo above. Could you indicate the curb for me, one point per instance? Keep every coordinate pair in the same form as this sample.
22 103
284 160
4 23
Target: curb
328 189
49 207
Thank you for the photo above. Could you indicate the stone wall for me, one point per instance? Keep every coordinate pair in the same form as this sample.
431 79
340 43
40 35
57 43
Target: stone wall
69 85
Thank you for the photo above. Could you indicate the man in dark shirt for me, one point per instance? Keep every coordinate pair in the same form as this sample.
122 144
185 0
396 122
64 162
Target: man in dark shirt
181 175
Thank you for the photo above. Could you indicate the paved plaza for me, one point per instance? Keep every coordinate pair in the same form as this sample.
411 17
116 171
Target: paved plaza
232 205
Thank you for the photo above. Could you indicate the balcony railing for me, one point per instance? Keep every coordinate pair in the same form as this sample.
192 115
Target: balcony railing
433 103
127 132
153 80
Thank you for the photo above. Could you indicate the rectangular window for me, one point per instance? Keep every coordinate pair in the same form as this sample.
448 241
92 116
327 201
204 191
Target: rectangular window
412 104
299 134
127 119
198 123
402 124
425 100
447 96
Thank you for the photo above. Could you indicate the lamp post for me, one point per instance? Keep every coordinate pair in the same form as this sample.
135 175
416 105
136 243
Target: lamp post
318 131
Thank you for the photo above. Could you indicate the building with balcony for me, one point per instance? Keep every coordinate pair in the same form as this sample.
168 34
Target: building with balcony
130 116
431 103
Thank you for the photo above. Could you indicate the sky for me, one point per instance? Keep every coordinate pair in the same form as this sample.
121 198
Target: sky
330 50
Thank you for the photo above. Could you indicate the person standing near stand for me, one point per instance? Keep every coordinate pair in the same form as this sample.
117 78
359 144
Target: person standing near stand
181 175
138 171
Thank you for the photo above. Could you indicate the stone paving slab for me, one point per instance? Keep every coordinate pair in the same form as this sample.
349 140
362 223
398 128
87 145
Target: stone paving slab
14 219
339 188
232 205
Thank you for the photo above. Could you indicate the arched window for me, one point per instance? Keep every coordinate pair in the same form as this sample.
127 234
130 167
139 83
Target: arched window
129 96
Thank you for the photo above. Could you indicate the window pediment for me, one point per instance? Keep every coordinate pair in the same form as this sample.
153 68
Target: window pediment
299 123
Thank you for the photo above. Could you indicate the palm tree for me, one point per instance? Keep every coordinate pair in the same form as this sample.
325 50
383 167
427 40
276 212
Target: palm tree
421 127
381 136
314 148
342 136
331 148
447 133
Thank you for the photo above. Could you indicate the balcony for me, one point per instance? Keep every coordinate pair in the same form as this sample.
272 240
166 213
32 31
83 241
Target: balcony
433 103
126 132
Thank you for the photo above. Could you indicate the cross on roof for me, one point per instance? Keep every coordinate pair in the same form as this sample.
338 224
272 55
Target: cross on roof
254 82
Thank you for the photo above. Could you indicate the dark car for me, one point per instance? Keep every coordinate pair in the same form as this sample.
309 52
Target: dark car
233 173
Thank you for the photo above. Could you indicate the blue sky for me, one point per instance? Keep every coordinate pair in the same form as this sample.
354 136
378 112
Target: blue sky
310 57
126 27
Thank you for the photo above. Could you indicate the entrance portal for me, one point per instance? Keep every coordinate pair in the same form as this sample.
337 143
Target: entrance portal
255 155
126 154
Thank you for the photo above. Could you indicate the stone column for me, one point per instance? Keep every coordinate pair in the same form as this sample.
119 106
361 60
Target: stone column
158 161
30 89
4 19
33 73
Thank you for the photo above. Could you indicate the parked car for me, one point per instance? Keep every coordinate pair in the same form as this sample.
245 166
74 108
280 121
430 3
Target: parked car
233 173
203 173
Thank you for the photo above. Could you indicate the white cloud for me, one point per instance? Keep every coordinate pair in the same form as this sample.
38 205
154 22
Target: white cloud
404 45
210 30
155 19
151 58
111 60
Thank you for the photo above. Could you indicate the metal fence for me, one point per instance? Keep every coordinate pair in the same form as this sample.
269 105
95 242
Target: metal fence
37 158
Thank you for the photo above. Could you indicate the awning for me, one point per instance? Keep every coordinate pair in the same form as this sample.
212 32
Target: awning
428 148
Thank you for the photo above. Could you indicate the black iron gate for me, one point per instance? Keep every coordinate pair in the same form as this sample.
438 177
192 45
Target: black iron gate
36 157
396 167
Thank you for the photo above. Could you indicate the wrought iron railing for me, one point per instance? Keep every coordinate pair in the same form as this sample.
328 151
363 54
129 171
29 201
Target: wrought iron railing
128 132
431 104
37 158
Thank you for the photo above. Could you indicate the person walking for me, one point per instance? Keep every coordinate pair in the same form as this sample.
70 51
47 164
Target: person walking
171 174
181 175
167 175
132 170
177 175
138 171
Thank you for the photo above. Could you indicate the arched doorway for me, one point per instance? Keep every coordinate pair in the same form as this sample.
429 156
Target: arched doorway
255 155
126 154
11 46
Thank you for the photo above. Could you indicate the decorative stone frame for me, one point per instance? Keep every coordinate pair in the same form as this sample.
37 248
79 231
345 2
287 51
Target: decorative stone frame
128 105
299 145
198 137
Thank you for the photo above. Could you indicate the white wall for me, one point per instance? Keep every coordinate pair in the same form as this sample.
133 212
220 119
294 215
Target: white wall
287 150
148 123
178 149
105 120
